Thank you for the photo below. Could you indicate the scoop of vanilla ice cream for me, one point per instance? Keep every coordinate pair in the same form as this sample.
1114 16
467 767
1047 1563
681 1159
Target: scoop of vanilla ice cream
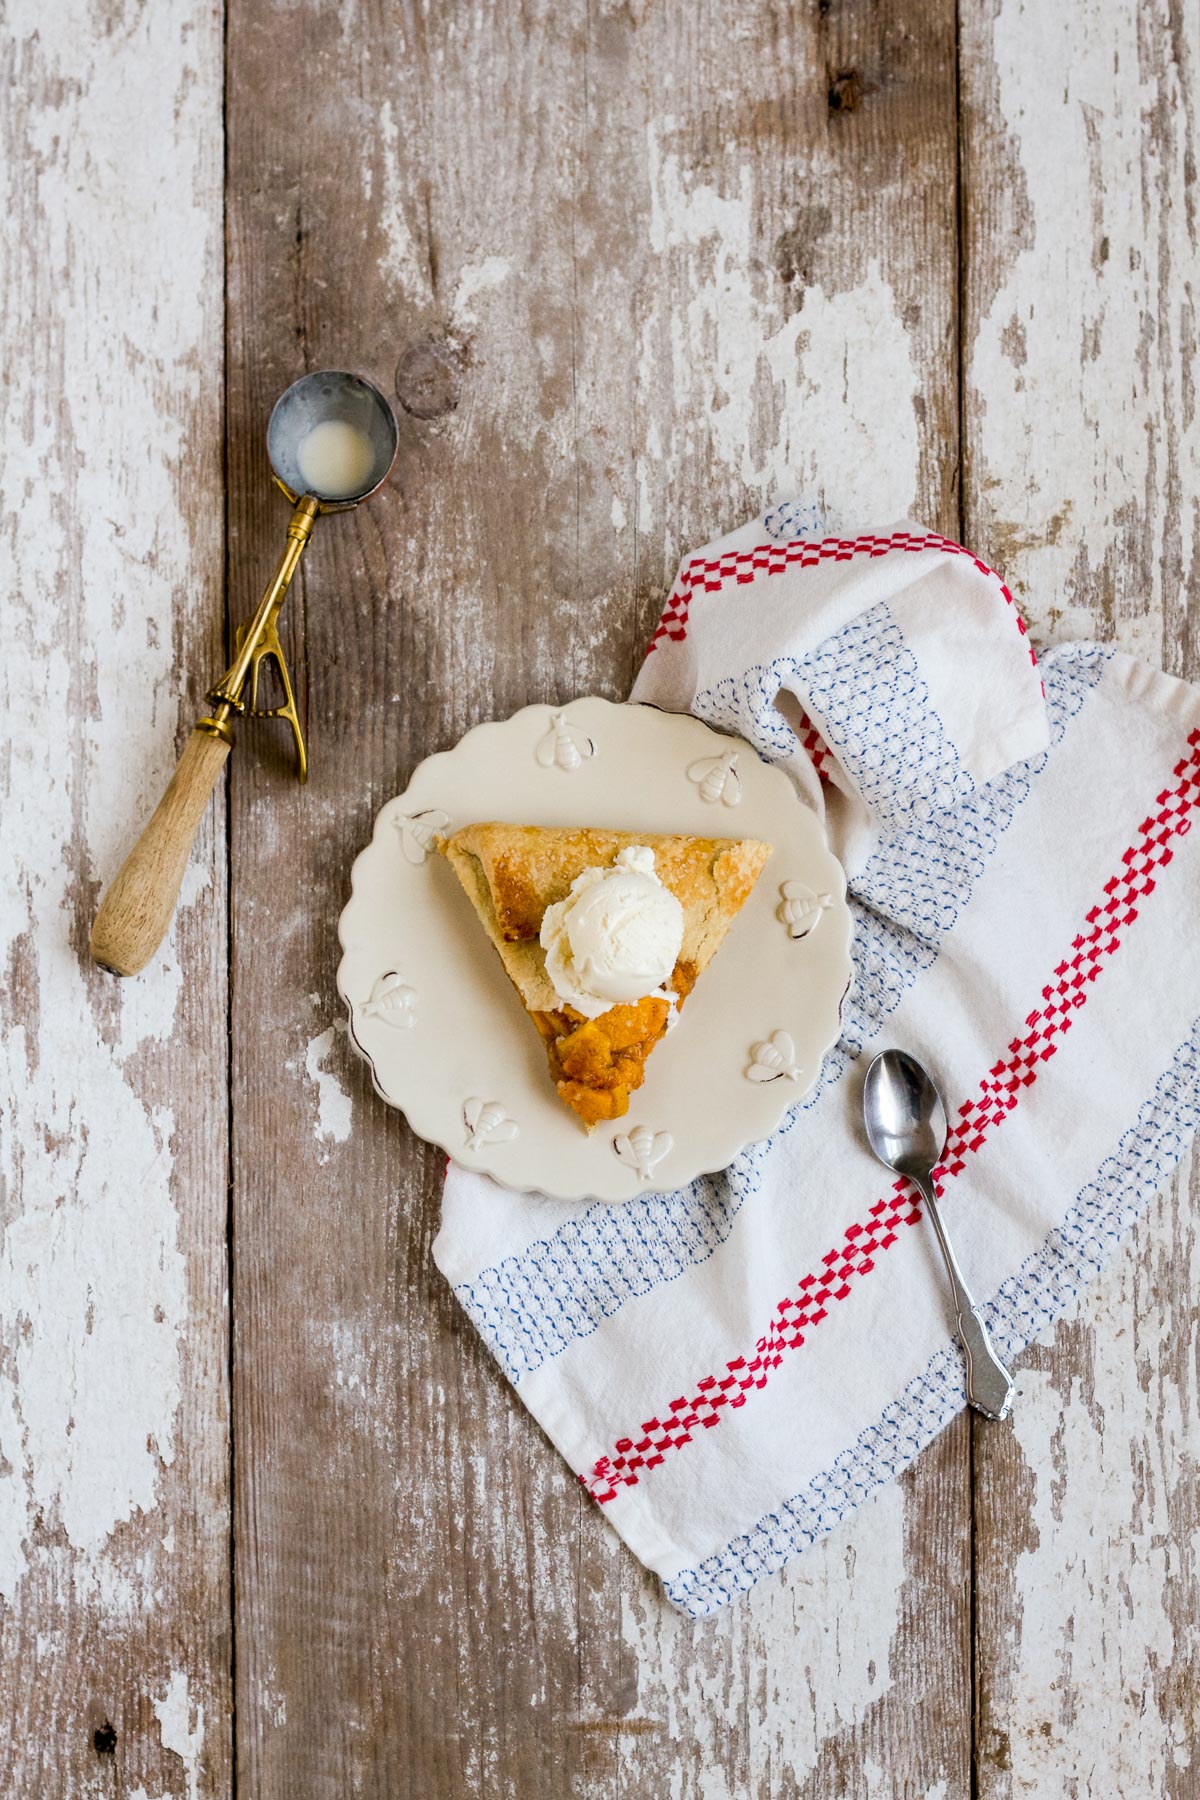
615 938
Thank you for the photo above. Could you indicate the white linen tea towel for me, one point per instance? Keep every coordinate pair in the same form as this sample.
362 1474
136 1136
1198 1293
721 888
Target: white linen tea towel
732 1369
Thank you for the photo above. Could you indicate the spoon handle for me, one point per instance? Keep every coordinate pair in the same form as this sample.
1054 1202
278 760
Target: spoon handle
989 1384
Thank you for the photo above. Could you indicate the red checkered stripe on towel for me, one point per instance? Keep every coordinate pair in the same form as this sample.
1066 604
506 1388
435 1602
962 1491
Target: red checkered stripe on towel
714 1397
708 576
814 747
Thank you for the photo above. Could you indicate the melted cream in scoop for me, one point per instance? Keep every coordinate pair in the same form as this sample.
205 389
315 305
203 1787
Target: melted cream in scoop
336 460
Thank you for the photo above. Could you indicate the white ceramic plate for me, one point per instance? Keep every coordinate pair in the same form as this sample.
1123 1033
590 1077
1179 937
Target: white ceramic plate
447 1039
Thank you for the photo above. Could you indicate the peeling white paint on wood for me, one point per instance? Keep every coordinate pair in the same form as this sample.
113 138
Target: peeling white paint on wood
1082 1667
402 263
181 1726
474 280
794 400
818 1638
110 574
1084 450
1080 371
334 1112
1091 1633
92 1291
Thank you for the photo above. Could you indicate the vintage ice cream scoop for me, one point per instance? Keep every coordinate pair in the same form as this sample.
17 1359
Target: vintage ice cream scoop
331 441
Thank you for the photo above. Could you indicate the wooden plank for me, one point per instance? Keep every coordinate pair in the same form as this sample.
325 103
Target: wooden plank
1081 264
655 266
114 1567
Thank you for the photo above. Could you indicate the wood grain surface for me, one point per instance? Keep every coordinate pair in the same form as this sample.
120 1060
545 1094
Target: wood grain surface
115 1628
1081 442
630 271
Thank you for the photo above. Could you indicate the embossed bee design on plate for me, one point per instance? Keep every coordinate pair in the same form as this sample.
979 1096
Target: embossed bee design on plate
642 1149
487 1123
420 830
564 746
774 1059
800 909
717 778
392 1001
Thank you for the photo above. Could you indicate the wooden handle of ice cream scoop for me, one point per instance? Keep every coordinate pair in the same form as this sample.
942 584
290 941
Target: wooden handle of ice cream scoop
136 911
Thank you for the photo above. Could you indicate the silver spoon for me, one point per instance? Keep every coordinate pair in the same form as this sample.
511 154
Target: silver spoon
906 1126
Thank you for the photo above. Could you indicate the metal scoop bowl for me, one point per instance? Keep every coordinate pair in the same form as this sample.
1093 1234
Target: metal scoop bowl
357 441
330 397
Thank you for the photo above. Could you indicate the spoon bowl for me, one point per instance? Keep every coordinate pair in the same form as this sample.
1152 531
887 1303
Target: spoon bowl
904 1114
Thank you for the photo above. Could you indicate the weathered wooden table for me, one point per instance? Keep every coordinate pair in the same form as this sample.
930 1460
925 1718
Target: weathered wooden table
270 1521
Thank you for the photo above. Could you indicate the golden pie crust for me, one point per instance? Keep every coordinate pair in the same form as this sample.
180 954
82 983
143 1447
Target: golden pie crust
512 873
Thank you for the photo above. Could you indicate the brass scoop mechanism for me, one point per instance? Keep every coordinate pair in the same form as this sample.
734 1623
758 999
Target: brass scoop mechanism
256 640
332 442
